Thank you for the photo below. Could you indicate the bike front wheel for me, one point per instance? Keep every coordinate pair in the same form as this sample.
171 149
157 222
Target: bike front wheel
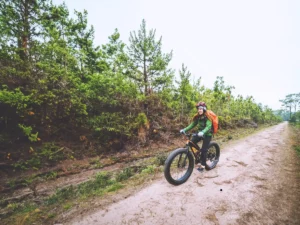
179 166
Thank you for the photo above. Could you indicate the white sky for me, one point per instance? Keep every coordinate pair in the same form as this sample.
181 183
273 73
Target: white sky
253 44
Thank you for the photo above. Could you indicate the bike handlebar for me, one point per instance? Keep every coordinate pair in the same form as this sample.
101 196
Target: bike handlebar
190 134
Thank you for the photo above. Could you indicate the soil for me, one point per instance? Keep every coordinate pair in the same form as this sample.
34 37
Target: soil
74 172
256 181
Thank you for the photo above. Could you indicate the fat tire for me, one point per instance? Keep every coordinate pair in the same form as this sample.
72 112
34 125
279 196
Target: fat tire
217 147
169 161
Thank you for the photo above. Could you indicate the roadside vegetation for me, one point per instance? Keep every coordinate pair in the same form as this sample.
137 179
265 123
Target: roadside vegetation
46 209
295 136
63 97
291 113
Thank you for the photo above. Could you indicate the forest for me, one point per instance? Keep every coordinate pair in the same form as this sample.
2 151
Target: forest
60 91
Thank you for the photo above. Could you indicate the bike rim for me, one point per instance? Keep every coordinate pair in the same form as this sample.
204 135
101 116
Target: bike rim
211 156
179 166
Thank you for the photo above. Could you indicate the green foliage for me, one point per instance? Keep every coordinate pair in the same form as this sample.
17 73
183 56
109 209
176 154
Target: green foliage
110 123
51 175
55 82
100 184
297 148
21 207
141 120
114 187
27 131
161 158
67 206
48 152
20 165
12 183
61 195
295 136
184 95
295 117
14 98
96 186
149 169
290 104
97 165
13 206
51 215
151 70
124 175
34 162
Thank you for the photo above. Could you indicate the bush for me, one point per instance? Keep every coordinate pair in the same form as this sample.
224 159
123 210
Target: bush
124 175
161 158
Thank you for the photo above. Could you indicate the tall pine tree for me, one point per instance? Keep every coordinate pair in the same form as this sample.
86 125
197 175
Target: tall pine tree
151 64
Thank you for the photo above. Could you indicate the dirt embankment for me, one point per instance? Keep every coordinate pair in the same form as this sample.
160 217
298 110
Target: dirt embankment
256 182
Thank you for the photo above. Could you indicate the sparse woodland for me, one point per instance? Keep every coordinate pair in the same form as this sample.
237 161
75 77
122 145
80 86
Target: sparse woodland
62 96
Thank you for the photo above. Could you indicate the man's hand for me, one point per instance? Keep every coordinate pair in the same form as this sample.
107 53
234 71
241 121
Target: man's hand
182 131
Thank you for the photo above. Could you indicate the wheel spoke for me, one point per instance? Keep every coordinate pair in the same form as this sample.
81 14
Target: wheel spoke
179 166
211 155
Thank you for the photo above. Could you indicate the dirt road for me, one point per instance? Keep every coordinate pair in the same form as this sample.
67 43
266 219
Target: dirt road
256 182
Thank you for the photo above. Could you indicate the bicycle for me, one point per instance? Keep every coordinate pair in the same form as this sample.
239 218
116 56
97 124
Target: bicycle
180 163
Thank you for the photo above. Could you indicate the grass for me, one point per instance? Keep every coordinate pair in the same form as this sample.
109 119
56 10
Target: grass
297 148
51 175
64 199
68 206
114 187
149 169
48 152
295 136
160 158
102 183
97 165
61 195
124 174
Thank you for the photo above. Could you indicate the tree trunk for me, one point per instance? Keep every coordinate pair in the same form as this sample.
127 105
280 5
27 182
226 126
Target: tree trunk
145 78
181 108
146 86
25 32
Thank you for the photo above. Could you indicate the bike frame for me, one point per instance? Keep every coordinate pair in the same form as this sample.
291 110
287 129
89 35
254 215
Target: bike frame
189 144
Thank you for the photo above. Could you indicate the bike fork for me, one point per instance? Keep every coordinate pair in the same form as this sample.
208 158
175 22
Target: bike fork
184 160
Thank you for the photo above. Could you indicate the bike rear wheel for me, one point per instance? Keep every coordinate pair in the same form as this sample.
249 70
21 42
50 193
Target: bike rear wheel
212 156
179 166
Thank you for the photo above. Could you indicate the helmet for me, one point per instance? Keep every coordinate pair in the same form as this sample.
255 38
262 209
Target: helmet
201 104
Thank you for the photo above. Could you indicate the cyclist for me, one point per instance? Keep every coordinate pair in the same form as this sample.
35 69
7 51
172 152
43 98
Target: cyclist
205 132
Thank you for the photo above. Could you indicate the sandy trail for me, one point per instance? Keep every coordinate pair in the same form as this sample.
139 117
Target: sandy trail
259 178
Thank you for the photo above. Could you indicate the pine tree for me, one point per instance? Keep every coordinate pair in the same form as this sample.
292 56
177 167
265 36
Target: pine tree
151 64
185 91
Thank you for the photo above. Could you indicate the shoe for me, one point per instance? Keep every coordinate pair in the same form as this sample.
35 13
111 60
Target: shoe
200 169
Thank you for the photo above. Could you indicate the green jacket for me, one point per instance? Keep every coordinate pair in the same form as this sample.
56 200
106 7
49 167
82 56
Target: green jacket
204 125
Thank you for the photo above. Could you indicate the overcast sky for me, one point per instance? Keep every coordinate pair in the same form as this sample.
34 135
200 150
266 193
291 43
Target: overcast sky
253 44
